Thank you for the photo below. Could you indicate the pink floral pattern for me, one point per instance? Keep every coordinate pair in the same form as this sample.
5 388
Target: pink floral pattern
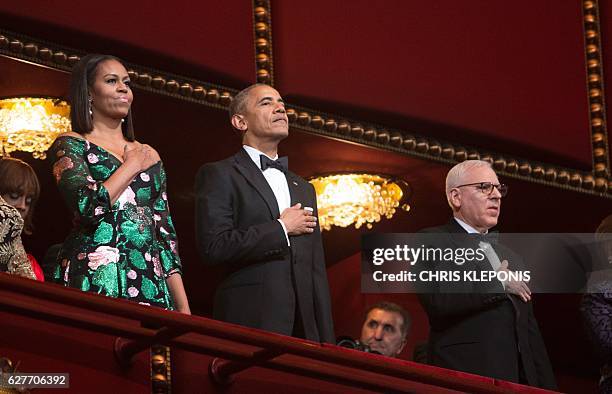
157 268
127 197
103 255
133 292
63 164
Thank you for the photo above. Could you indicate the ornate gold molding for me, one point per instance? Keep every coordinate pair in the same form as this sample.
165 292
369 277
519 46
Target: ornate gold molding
262 26
62 58
161 376
444 152
335 126
595 87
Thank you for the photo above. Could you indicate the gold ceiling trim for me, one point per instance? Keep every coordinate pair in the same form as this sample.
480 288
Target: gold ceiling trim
62 58
161 366
262 27
335 126
448 153
595 88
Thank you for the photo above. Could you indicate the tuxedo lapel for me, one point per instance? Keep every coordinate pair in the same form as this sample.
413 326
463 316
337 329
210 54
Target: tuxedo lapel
255 178
459 236
296 189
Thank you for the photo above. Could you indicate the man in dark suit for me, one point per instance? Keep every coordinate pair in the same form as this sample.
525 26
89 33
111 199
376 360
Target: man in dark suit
485 328
260 221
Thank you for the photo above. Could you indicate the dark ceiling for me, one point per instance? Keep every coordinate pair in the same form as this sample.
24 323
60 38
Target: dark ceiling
479 73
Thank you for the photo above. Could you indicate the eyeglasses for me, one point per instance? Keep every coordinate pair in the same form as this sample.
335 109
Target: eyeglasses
487 187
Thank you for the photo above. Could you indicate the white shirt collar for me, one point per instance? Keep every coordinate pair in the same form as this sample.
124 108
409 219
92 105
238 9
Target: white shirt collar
467 227
254 155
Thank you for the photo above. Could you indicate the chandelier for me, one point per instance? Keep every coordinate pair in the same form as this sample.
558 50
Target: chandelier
358 199
31 124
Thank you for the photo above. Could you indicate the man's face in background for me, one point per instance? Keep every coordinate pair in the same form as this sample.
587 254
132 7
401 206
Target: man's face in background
382 332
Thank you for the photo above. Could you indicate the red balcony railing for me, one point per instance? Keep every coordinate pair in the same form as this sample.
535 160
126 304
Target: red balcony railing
237 348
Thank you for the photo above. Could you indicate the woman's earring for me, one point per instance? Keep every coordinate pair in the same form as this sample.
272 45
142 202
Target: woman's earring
90 105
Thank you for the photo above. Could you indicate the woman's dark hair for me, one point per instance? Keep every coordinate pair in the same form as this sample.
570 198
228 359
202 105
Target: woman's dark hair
83 75
17 176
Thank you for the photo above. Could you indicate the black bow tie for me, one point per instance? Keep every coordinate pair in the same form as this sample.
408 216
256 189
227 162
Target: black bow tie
491 237
281 164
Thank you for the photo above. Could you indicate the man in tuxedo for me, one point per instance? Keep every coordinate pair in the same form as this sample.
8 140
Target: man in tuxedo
485 328
259 220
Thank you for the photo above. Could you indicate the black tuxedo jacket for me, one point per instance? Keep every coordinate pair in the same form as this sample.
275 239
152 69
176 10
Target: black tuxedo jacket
237 226
477 328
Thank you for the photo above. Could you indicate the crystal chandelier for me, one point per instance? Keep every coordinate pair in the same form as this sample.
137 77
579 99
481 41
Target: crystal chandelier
357 199
31 124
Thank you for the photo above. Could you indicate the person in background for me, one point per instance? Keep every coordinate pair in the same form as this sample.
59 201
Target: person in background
123 243
385 328
13 259
596 306
20 188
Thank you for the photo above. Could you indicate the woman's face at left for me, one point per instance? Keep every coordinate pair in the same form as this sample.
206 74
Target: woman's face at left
21 202
110 93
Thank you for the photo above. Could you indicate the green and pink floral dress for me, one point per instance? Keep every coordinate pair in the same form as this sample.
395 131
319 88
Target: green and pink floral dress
124 250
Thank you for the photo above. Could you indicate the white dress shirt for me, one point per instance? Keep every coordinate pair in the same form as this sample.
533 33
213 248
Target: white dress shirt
277 181
467 227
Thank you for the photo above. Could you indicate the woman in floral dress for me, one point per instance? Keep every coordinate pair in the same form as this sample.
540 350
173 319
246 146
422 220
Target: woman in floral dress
123 243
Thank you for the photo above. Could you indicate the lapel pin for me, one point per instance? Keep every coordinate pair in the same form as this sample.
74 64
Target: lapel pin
294 183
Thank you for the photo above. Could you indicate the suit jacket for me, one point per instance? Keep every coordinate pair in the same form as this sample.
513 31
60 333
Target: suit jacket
475 327
237 226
